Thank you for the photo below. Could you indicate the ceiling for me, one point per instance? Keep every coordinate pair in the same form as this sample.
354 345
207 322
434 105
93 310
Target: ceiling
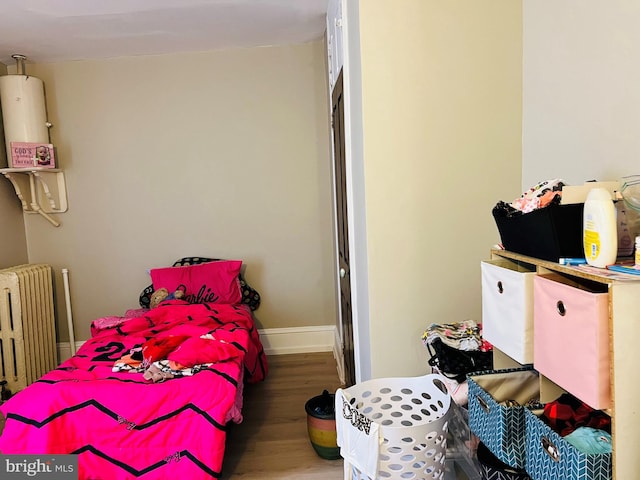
63 30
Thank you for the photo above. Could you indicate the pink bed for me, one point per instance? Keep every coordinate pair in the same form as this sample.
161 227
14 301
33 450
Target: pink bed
124 426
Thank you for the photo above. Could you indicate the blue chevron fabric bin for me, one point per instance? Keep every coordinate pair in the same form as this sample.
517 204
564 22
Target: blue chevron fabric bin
496 410
548 456
494 469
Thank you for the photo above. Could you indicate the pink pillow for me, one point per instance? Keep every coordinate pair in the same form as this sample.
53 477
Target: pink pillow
213 282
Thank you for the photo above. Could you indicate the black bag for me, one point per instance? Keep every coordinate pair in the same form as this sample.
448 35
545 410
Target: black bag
493 468
455 363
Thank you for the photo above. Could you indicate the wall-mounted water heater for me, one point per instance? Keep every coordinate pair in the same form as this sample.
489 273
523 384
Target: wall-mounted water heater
40 189
24 112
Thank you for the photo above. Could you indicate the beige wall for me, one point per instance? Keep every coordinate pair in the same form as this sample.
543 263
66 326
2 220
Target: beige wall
222 154
13 244
441 88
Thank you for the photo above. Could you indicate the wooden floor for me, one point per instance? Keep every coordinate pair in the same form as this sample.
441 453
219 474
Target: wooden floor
272 441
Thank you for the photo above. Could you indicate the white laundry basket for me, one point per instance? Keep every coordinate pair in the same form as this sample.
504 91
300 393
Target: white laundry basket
393 428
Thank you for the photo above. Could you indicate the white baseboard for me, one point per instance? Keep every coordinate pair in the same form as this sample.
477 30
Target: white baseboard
64 350
281 341
276 341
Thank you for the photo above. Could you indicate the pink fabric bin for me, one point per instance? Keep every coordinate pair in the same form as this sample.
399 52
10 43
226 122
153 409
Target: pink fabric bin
571 338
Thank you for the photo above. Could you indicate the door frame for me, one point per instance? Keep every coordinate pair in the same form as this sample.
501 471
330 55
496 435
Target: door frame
356 200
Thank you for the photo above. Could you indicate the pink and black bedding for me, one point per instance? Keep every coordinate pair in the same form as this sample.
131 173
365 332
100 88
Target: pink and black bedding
130 407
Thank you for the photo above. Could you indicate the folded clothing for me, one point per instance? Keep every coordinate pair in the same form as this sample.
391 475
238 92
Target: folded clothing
567 413
590 440
539 196
465 335
457 349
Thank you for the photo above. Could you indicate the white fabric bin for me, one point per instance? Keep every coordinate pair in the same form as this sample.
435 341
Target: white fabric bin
507 308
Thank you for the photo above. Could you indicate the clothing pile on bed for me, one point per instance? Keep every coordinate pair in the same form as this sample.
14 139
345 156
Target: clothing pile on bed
164 358
160 359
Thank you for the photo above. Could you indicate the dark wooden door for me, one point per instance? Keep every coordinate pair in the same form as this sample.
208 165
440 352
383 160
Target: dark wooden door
343 231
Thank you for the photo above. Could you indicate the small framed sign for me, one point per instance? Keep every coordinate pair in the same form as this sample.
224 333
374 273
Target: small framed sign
30 154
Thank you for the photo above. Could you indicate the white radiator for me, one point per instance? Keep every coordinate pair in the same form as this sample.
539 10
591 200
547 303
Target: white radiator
27 324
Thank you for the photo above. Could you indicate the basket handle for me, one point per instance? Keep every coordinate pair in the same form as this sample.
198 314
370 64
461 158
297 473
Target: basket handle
354 417
550 449
483 404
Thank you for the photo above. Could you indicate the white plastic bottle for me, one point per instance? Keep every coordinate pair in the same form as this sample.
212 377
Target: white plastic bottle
600 236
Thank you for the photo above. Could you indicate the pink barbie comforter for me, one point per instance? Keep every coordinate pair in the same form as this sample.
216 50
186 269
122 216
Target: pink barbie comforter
123 426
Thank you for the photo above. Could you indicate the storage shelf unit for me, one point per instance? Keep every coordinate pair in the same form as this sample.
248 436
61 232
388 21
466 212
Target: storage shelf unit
40 190
624 328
